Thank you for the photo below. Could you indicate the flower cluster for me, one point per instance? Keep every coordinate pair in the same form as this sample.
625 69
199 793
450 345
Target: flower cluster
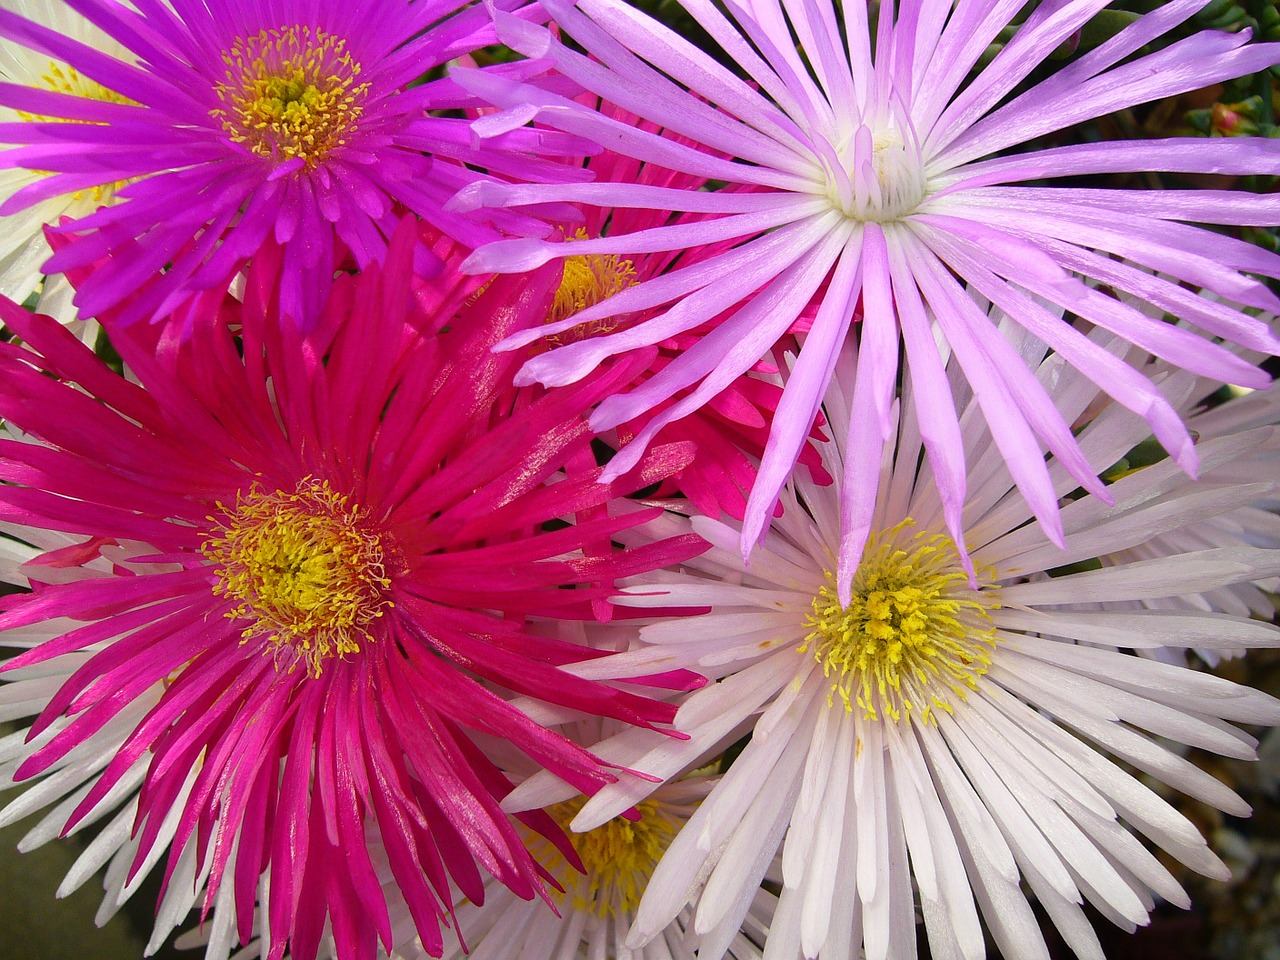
529 480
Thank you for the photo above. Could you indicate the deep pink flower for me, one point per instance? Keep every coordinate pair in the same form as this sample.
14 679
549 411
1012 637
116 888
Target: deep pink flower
301 568
248 119
886 171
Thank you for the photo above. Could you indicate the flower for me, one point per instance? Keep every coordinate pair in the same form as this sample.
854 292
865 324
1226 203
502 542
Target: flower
882 184
1200 526
243 121
597 905
302 569
729 433
942 736
23 248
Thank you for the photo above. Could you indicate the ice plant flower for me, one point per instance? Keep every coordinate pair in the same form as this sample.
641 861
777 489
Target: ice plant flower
233 122
883 183
307 573
22 244
596 907
731 430
940 737
1209 416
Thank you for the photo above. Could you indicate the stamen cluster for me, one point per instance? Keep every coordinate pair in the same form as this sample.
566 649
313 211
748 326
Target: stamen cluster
618 857
305 569
291 93
62 78
588 279
915 634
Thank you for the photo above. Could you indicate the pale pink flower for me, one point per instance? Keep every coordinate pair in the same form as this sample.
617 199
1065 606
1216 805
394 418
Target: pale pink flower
883 184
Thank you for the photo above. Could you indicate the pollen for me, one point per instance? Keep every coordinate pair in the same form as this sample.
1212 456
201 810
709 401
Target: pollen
619 856
293 92
587 280
915 637
304 568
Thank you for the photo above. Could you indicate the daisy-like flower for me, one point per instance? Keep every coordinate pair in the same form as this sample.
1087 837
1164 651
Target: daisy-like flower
23 248
302 567
882 182
597 905
237 121
1209 416
936 737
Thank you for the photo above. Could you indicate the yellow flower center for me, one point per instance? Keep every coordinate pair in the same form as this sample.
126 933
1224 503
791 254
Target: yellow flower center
587 280
304 568
915 634
619 856
291 92
61 78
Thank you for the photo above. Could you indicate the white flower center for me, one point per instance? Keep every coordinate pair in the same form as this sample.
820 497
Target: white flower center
883 176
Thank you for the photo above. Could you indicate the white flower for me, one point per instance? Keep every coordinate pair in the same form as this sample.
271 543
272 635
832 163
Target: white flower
23 249
1208 416
599 904
598 885
947 738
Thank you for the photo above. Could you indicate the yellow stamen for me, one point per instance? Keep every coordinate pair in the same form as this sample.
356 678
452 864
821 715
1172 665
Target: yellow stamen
619 856
305 569
290 92
587 280
915 634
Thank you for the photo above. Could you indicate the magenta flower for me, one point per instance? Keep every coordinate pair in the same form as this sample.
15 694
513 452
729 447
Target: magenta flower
880 183
301 568
247 120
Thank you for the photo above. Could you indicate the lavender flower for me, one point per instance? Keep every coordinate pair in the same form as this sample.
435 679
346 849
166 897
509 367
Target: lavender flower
880 180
